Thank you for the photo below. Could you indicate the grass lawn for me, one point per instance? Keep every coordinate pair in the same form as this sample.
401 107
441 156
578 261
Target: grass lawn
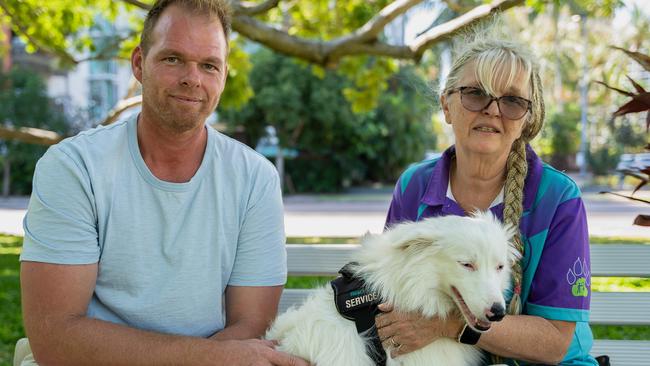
11 328
11 324
617 240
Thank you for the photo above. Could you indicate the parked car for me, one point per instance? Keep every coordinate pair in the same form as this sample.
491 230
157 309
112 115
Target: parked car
633 162
625 162
641 161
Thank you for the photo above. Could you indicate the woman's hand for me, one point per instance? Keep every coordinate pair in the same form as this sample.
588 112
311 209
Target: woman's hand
406 332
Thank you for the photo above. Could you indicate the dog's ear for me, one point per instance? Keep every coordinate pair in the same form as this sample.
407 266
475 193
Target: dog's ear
367 235
415 244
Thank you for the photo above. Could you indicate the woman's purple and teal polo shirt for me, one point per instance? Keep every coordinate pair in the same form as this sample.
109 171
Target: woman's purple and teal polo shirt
557 278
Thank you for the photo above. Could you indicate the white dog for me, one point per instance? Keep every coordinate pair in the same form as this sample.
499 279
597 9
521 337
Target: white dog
434 267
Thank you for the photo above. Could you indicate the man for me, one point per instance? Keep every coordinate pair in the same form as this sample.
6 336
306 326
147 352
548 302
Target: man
139 235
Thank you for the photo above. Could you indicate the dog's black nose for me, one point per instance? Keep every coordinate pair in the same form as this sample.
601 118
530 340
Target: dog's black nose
496 313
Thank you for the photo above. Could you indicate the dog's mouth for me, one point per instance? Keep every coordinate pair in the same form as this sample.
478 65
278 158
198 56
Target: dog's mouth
471 319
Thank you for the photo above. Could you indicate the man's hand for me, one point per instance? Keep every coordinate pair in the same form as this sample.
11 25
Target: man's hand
257 352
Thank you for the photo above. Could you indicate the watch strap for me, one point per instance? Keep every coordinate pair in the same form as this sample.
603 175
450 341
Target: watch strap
468 335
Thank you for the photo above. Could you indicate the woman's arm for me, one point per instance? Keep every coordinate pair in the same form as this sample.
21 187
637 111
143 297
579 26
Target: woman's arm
529 338
522 337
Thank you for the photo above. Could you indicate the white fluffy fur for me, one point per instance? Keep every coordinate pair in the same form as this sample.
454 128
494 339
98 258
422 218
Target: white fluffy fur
412 266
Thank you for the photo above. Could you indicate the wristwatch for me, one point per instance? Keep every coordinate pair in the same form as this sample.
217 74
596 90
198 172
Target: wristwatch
468 335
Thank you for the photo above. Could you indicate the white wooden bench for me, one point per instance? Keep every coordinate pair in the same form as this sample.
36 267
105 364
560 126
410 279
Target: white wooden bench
607 308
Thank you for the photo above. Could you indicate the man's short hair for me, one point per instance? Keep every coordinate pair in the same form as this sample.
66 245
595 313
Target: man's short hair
211 8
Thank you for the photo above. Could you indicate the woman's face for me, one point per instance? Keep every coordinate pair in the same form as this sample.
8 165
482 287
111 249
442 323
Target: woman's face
485 132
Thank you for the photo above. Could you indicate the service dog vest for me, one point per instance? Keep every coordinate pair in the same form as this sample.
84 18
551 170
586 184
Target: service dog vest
354 301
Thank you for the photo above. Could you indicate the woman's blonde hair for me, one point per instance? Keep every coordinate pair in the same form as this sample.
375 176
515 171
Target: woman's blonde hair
498 62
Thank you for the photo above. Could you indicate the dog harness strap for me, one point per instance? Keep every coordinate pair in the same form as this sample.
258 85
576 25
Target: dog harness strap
355 302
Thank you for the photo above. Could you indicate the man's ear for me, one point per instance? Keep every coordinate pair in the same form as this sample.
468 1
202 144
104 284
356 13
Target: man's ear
137 59
445 108
225 75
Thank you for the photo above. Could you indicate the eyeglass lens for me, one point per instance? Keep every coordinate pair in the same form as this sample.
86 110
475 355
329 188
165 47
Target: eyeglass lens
511 107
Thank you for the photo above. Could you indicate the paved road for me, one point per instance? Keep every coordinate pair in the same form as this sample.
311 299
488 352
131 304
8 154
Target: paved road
354 215
607 216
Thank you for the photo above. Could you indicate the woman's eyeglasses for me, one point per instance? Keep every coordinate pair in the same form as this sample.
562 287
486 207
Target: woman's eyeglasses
476 100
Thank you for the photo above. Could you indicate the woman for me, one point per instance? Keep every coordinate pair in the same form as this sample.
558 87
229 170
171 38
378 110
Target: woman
493 101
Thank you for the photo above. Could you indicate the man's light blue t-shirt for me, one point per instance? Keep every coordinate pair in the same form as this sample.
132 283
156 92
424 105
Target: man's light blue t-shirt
165 251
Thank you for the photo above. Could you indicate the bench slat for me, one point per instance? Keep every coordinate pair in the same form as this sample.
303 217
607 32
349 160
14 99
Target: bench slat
318 259
607 260
623 353
620 260
608 308
292 297
620 308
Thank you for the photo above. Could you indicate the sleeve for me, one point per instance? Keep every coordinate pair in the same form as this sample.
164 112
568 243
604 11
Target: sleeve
60 224
561 288
395 214
261 258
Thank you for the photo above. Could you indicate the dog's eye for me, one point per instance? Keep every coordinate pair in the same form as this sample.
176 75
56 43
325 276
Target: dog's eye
468 265
500 267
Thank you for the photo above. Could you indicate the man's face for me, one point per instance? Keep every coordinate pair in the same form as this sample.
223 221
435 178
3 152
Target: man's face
184 72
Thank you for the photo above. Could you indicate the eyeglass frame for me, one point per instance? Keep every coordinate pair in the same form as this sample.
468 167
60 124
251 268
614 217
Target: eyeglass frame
492 99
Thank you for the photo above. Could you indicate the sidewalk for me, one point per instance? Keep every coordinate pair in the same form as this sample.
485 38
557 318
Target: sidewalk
343 215
12 210
354 214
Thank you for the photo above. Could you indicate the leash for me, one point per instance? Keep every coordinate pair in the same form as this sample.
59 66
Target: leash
355 302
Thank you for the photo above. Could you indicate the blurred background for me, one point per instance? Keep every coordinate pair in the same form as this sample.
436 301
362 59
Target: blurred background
352 117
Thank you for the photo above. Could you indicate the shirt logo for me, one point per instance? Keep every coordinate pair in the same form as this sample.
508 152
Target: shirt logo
578 276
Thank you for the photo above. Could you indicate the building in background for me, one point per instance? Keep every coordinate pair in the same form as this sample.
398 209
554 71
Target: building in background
86 91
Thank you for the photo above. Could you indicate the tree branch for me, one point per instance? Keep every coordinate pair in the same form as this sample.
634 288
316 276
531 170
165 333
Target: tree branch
277 40
250 9
108 51
448 29
139 4
30 135
373 28
624 196
455 6
363 41
120 107
134 85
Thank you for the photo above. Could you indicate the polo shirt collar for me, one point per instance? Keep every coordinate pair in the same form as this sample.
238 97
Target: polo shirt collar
436 191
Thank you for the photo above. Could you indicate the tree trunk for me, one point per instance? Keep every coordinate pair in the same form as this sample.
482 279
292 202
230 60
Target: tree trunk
6 180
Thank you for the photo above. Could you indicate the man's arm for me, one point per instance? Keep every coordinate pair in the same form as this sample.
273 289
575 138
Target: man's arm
249 311
55 299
